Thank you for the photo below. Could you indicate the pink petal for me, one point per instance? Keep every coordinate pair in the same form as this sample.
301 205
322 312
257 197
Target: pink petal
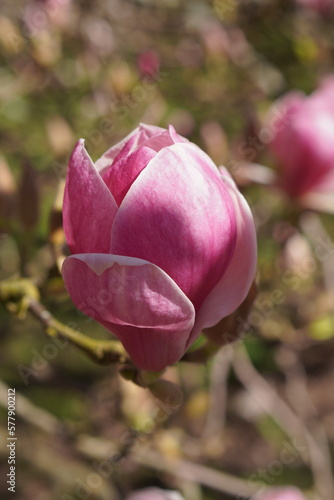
159 141
178 215
148 131
136 301
234 285
133 158
108 157
163 139
125 170
175 136
127 145
89 207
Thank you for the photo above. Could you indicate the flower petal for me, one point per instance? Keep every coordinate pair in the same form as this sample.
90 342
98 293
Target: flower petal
178 215
163 139
127 145
135 156
125 170
136 301
233 287
108 156
175 136
89 207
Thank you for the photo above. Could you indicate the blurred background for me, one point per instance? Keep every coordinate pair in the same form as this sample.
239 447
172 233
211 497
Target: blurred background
262 410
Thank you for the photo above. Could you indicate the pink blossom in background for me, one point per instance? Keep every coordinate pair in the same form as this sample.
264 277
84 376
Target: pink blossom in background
154 494
322 6
285 493
40 14
148 63
164 244
303 145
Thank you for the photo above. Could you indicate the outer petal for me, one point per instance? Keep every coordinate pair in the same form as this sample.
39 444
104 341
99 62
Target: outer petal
233 287
136 301
178 215
89 207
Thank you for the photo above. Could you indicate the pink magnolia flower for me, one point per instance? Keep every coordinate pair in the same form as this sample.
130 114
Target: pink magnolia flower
303 143
286 493
154 494
164 245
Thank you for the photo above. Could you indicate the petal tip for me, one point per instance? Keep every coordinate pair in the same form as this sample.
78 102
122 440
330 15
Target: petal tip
79 151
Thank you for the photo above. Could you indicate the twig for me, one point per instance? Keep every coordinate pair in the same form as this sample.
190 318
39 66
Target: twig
25 293
272 404
218 393
146 456
300 400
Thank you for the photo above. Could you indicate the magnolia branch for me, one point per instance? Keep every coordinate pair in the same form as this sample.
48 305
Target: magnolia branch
22 295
